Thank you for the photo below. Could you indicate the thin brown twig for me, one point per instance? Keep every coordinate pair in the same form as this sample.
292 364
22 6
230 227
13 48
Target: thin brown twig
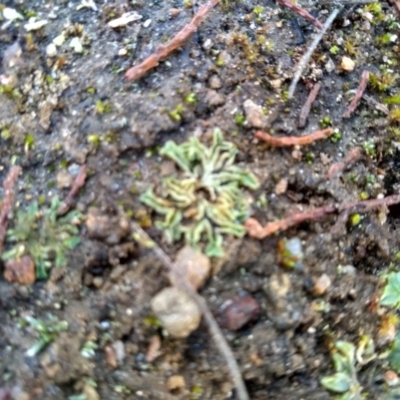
359 94
305 110
8 200
352 156
78 183
293 140
177 41
256 230
396 6
143 238
306 57
302 12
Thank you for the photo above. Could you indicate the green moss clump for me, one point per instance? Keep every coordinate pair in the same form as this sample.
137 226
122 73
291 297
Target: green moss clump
206 201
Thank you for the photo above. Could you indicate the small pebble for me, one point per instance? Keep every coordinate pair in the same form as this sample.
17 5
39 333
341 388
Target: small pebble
254 114
174 12
177 312
239 311
215 82
175 382
90 392
51 50
321 285
110 356
194 266
20 270
119 349
391 378
64 179
76 44
347 64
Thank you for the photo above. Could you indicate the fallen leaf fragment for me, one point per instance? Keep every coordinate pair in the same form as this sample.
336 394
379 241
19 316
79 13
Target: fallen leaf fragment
125 19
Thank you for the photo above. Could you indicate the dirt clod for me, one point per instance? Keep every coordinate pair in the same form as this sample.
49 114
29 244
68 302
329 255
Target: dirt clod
20 270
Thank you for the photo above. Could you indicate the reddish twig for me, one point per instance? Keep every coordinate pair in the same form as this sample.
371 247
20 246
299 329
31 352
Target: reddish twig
396 6
352 156
359 93
301 11
255 230
8 200
79 182
177 41
305 110
293 140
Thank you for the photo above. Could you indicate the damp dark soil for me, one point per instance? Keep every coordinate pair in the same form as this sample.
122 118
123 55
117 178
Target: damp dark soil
64 103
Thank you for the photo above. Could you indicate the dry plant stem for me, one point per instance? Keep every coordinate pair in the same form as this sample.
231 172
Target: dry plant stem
396 6
305 110
375 104
8 200
183 284
255 230
359 94
177 41
79 182
293 140
306 57
352 156
301 11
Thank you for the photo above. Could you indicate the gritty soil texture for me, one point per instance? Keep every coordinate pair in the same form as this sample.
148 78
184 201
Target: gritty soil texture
68 109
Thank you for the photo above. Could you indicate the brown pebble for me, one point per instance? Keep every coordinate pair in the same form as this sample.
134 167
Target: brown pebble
98 226
215 82
175 382
391 378
111 357
64 179
154 348
20 270
239 311
193 265
174 12
281 186
321 285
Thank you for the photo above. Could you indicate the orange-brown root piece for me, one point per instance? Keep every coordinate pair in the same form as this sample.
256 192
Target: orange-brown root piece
305 110
293 140
256 230
177 41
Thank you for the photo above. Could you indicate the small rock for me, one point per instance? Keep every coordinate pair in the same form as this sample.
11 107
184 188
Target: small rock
177 312
64 179
347 64
119 351
321 285
281 186
51 50
20 270
59 40
194 266
76 44
391 378
98 226
125 19
175 382
254 114
330 65
110 356
174 12
239 311
290 253
214 98
215 82
154 348
90 392
276 83
123 52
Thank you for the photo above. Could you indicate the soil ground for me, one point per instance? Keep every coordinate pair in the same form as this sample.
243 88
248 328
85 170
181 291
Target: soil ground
62 108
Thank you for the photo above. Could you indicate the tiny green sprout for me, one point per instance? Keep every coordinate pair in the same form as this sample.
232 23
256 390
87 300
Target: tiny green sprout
47 332
369 147
29 142
239 119
187 3
325 122
355 219
94 139
206 201
395 99
91 90
384 39
89 349
346 360
191 98
391 291
176 113
364 196
43 235
336 136
258 10
102 107
5 134
309 157
220 61
334 50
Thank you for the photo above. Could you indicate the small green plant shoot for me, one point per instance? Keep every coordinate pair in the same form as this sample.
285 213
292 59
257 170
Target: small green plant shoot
206 201
43 236
391 292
